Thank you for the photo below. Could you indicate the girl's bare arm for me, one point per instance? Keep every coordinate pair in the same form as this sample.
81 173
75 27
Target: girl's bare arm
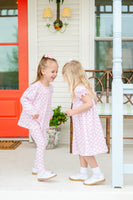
86 106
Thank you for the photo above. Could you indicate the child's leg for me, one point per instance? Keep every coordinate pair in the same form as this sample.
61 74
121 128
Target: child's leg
83 174
83 162
41 145
93 164
91 161
83 165
41 142
97 176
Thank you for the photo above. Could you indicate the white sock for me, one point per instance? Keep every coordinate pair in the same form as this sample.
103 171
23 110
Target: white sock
84 170
96 171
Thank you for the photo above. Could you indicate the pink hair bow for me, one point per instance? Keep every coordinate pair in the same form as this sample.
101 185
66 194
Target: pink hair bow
48 55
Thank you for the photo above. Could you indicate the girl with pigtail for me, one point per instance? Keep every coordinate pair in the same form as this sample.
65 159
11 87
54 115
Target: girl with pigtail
37 112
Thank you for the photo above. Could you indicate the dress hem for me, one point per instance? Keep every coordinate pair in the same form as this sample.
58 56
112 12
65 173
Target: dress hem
89 154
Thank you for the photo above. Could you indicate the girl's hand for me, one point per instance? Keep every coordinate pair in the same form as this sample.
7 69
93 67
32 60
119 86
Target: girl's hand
69 112
35 116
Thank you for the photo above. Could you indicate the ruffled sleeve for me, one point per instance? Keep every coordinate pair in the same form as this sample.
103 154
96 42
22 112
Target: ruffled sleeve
27 100
80 91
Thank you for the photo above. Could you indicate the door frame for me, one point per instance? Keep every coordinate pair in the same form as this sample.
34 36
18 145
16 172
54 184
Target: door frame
23 43
14 95
32 36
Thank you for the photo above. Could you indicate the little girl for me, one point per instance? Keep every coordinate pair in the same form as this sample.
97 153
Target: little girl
37 111
88 138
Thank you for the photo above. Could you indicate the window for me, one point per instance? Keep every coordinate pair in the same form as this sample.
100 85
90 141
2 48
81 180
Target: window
104 34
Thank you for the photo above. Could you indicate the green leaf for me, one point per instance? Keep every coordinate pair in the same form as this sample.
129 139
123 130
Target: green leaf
59 117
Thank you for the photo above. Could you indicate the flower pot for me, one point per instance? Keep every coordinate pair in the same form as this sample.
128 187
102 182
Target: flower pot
53 137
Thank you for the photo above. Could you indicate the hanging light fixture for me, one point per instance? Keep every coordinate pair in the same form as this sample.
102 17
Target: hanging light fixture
57 25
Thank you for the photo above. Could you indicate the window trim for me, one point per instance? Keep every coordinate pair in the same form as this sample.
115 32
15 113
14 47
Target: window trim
111 38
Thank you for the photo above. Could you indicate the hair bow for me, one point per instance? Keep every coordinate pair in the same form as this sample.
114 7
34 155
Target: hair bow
48 55
70 59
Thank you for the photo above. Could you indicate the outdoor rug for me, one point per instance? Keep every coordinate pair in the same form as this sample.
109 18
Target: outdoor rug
9 145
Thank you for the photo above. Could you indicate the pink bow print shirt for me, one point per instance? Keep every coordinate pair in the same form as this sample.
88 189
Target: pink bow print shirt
36 100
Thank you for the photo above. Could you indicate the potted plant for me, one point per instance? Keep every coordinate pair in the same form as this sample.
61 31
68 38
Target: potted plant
53 133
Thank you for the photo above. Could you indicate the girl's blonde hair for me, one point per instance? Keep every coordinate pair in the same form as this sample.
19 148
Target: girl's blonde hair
44 62
75 75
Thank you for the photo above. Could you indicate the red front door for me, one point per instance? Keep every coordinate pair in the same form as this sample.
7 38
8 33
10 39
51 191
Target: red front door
13 64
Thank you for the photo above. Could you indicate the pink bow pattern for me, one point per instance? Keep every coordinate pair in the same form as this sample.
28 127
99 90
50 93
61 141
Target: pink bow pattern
48 55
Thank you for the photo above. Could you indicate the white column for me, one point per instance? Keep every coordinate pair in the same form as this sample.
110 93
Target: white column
117 100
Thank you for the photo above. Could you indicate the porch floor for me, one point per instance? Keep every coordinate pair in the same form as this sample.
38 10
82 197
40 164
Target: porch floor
16 177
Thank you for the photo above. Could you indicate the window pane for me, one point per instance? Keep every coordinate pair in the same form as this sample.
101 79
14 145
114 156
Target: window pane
127 18
104 55
8 67
127 55
131 8
124 8
8 21
104 18
127 25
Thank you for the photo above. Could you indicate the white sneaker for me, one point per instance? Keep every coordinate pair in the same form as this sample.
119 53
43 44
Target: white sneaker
35 171
94 180
46 175
79 177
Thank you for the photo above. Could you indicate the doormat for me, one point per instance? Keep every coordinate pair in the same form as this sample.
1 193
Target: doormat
9 145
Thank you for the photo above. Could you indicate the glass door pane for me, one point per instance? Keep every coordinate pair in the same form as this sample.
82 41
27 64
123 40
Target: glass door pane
8 45
9 67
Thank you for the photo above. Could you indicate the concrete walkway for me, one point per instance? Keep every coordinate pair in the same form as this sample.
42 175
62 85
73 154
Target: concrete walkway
16 176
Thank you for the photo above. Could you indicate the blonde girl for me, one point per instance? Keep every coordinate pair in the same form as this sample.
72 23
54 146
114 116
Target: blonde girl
88 138
37 111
